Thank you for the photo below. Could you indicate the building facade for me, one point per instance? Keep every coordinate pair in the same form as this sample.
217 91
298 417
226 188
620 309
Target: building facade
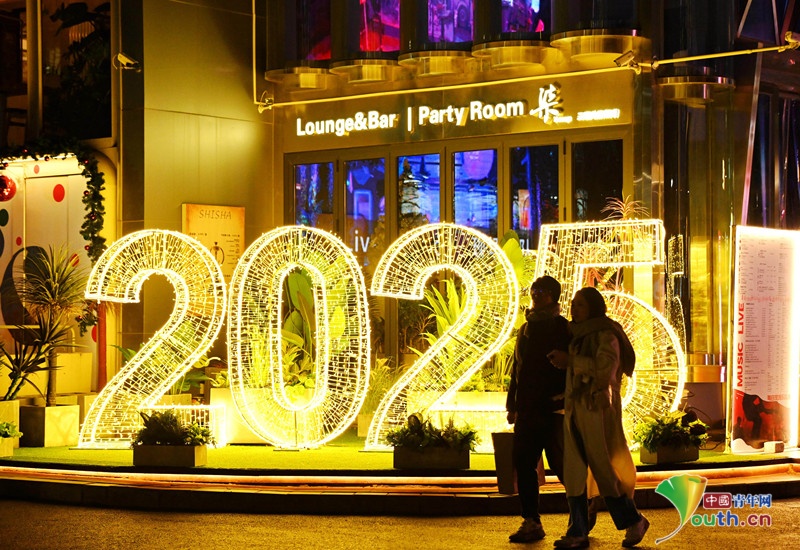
367 118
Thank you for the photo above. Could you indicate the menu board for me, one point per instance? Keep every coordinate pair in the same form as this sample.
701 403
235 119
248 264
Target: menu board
765 352
220 229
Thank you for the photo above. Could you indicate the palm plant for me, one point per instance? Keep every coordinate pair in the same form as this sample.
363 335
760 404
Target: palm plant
52 290
27 359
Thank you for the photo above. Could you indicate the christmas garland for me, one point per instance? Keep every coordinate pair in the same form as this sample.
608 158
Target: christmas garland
46 148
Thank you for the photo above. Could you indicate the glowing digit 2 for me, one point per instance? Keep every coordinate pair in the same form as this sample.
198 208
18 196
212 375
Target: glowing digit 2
192 326
491 301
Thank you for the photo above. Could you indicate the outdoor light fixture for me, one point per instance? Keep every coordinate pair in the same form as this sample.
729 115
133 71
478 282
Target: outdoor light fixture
122 61
627 59
491 299
192 327
325 282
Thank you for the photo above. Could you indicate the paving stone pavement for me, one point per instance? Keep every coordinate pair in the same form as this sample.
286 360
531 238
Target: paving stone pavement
44 526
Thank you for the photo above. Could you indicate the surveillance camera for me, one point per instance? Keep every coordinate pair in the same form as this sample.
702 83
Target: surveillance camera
122 61
626 59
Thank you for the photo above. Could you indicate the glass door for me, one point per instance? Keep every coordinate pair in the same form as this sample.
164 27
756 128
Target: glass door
534 174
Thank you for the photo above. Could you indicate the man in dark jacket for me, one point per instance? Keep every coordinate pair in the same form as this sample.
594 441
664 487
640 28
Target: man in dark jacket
535 402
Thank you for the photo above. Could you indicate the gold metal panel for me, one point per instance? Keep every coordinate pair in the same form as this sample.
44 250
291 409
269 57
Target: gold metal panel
539 104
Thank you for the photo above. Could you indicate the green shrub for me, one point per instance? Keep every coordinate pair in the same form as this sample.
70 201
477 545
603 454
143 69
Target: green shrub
419 432
9 429
165 428
674 429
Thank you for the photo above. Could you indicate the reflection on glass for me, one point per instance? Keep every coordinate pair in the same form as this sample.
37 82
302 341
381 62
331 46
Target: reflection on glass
475 198
418 187
450 20
379 26
366 206
314 22
534 191
596 177
313 195
525 16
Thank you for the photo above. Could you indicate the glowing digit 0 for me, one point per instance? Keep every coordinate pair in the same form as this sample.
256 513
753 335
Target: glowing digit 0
192 326
256 344
491 301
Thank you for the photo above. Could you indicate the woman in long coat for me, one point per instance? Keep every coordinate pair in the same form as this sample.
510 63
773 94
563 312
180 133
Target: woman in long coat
593 435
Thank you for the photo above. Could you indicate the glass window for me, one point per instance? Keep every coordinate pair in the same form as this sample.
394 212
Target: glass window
475 197
449 21
418 188
534 191
379 26
526 16
314 29
366 205
596 177
313 195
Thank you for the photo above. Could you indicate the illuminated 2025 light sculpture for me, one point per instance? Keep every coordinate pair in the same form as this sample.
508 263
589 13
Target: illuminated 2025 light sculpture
192 327
491 297
255 342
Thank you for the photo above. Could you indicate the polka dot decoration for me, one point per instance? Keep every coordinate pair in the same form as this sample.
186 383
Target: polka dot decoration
59 193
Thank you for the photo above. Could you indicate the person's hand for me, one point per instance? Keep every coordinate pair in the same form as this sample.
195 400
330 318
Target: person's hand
511 417
558 358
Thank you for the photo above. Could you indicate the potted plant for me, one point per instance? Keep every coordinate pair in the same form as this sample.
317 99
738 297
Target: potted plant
674 437
50 291
8 435
165 441
26 360
236 429
420 445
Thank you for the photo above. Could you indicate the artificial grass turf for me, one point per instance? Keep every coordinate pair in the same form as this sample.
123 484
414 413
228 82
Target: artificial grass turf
345 453
341 455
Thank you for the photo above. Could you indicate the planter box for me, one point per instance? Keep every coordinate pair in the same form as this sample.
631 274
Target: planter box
237 430
664 455
61 399
49 426
170 456
431 458
9 412
85 401
7 445
364 421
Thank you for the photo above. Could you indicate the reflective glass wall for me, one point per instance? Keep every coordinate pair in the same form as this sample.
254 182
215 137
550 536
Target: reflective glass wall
366 205
313 195
534 191
475 184
419 190
596 178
